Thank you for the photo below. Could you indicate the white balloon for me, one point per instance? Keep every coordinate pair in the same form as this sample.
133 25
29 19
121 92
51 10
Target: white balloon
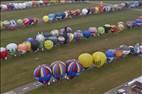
11 47
40 37
84 11
54 32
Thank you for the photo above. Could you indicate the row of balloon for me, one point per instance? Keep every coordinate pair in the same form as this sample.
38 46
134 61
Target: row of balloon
65 35
71 68
29 21
23 5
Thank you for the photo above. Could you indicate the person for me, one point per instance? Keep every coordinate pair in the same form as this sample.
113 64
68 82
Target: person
65 34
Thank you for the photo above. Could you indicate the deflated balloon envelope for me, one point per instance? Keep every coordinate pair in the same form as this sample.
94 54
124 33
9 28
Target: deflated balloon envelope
34 45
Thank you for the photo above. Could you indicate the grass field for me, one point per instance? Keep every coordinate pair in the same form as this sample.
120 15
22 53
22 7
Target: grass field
17 71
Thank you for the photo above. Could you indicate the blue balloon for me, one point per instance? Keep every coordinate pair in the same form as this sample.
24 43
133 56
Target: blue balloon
60 16
51 17
109 53
43 73
73 68
86 34
29 39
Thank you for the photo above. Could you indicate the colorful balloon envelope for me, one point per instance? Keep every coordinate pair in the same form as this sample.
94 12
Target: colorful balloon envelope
29 39
85 11
110 53
78 35
73 68
48 44
40 37
11 47
34 45
99 59
54 32
101 30
45 18
3 53
86 34
43 73
93 30
86 60
118 53
23 48
58 69
51 17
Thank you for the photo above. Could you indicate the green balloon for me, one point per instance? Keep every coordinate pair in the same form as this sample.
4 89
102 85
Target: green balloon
19 21
101 30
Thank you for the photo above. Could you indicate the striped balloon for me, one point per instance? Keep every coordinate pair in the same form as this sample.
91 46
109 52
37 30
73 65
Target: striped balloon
73 68
58 69
43 73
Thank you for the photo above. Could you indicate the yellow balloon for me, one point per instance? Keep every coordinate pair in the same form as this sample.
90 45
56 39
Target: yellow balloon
28 45
48 44
99 59
85 60
45 18
97 9
121 27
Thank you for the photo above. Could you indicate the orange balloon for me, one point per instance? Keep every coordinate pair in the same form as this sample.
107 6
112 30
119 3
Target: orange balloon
22 48
118 53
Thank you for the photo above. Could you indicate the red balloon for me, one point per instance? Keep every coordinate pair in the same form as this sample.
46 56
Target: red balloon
3 53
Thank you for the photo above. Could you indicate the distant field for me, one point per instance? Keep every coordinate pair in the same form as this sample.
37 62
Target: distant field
17 71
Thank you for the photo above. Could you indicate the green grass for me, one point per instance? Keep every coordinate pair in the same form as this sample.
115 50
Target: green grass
97 81
17 71
41 11
20 69
91 20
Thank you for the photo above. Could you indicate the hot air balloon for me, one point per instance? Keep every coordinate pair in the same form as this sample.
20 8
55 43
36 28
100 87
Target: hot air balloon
58 69
77 35
45 19
99 59
86 34
93 31
60 16
70 37
19 21
101 30
86 60
73 68
85 11
118 53
120 26
107 28
22 48
48 44
110 54
136 48
28 44
114 28
12 48
34 45
51 17
26 22
43 74
61 39
126 50
40 38
3 53
54 32
54 39
29 39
